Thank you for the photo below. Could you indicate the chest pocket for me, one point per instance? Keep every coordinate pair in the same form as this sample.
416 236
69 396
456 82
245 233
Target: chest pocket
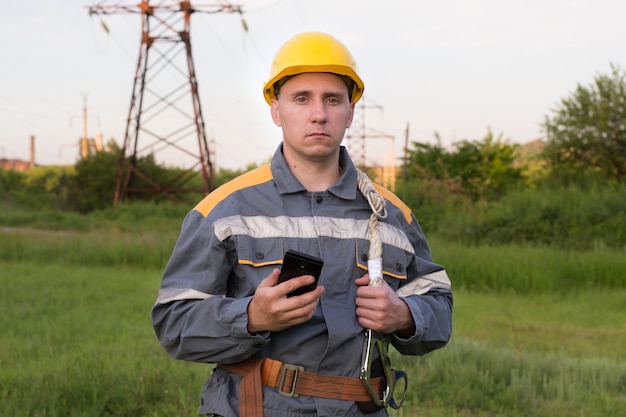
395 262
258 253
253 261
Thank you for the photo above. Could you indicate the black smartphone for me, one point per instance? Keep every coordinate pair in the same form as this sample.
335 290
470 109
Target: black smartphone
296 264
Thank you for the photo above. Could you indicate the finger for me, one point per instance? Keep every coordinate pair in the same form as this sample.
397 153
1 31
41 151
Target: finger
311 297
373 325
307 301
295 283
367 291
371 316
301 308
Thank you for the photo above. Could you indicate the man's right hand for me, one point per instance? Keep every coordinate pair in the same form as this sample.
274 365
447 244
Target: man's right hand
271 310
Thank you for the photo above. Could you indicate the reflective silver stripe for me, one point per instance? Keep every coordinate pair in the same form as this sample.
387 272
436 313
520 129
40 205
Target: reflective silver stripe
174 294
307 228
426 283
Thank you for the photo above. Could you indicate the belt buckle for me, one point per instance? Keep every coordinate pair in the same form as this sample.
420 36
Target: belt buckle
296 369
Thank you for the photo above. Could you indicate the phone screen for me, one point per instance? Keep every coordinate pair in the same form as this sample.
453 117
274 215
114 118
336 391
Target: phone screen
296 264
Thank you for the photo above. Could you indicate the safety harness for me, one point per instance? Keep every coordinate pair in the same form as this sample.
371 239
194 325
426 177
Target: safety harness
292 380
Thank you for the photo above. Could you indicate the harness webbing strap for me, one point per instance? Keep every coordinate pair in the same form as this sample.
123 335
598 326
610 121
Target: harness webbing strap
291 381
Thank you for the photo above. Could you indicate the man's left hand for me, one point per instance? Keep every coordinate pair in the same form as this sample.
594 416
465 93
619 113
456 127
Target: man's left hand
380 309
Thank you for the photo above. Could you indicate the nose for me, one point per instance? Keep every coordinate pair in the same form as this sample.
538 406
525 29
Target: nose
319 113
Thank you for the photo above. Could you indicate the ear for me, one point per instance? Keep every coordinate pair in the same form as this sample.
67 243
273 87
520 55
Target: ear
351 115
275 112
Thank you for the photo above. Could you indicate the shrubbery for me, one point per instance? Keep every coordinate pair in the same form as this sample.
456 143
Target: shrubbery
577 216
568 217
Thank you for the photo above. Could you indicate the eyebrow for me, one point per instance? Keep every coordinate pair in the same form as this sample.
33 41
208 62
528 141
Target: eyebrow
308 93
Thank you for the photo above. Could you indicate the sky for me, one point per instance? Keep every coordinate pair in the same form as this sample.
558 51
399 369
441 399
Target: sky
455 68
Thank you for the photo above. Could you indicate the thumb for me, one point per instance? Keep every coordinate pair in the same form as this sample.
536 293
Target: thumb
364 280
271 279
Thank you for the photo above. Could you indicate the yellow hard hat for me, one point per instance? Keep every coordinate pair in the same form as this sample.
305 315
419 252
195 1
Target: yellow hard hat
313 52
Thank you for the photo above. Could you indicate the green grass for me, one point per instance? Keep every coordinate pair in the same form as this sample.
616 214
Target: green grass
529 269
103 247
472 378
578 324
77 339
525 355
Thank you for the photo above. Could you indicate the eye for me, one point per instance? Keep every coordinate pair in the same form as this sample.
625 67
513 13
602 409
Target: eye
334 100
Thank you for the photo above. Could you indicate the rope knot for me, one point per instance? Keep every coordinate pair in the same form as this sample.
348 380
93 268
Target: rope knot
375 200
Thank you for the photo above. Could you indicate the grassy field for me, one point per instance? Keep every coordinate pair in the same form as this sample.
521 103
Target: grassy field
538 331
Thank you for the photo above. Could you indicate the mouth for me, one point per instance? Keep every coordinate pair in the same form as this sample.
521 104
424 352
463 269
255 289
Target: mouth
318 135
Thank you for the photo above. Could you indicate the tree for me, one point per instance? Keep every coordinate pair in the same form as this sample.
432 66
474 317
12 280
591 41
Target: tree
93 184
486 167
427 160
478 169
587 131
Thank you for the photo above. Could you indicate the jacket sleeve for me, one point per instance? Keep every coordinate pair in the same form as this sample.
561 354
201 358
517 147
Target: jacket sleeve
193 318
432 314
427 292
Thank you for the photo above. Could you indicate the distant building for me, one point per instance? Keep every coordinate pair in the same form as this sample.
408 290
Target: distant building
18 164
14 164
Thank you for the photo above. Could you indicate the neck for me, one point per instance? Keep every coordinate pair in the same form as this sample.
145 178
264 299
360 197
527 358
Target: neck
315 176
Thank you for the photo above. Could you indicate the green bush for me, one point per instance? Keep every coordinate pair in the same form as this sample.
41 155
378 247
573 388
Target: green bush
567 217
39 188
431 200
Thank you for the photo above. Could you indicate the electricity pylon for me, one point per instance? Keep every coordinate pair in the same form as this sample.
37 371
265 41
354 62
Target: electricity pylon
382 166
165 111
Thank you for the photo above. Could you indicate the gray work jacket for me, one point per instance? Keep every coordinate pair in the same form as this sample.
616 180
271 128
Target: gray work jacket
239 233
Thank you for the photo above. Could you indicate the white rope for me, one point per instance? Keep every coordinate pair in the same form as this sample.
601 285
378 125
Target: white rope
379 212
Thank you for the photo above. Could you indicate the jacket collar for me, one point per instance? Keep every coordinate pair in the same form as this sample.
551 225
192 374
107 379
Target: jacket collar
345 188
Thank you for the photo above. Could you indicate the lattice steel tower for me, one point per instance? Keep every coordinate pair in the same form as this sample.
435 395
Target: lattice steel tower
165 112
382 165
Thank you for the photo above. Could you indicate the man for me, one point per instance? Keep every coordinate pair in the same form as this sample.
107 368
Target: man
220 301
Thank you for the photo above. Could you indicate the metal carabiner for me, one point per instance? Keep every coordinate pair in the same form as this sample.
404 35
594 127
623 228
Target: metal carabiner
398 376
391 375
367 358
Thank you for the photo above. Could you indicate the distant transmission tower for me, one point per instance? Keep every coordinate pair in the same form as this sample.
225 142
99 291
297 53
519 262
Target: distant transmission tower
382 166
165 112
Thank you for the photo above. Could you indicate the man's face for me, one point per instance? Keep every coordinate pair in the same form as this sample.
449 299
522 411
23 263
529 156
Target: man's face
314 111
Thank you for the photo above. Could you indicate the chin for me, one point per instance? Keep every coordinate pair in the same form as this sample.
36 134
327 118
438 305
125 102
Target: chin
322 151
